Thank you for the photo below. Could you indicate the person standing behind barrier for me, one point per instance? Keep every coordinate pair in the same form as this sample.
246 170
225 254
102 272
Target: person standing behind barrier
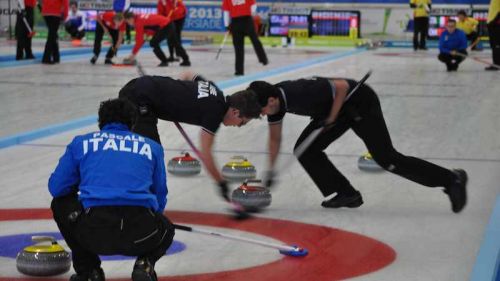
23 50
469 26
53 11
494 33
421 22
238 18
177 10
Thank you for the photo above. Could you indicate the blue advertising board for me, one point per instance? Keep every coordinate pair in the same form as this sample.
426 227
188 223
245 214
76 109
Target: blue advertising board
204 18
209 17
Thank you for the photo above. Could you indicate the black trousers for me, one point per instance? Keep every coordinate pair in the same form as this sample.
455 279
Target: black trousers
472 37
452 61
73 31
23 49
421 28
168 32
99 33
241 27
494 34
146 123
51 53
127 33
364 106
111 230
178 25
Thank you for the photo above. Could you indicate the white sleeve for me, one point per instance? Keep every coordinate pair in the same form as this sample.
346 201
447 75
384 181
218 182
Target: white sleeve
21 4
253 8
227 19
84 20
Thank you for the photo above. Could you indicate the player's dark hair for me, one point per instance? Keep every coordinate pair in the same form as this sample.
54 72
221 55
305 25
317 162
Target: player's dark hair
128 15
452 20
246 102
118 17
462 12
117 111
264 91
71 3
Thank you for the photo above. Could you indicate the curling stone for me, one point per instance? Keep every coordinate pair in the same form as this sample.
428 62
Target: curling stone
366 163
43 259
252 197
238 169
127 61
184 165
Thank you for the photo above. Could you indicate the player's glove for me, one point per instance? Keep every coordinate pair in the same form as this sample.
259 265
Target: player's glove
23 13
268 178
224 190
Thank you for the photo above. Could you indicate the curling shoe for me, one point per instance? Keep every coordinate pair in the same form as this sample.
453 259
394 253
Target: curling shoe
93 60
143 271
108 61
163 64
185 63
457 191
94 275
340 200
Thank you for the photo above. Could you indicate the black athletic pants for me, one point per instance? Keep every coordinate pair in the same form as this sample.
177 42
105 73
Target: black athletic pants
167 32
23 49
420 30
146 123
110 230
371 128
51 53
452 62
178 25
241 27
472 37
73 31
494 34
99 33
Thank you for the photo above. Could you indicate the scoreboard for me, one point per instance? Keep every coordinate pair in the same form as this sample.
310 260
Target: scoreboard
335 23
317 22
288 25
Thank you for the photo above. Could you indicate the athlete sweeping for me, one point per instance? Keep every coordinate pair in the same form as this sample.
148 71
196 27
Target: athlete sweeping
197 102
327 102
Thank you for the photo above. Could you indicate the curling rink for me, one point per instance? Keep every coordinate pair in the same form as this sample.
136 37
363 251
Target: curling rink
402 232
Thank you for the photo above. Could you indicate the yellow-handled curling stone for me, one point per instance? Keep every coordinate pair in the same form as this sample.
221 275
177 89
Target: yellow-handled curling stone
238 169
45 258
366 163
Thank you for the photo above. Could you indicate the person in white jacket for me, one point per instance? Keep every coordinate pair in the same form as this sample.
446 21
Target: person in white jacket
75 22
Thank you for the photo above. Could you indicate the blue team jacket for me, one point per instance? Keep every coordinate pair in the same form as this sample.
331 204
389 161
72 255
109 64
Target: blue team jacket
454 41
113 167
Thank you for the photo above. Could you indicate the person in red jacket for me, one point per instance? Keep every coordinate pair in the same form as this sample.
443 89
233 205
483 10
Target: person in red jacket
53 11
177 10
23 50
160 28
238 18
113 24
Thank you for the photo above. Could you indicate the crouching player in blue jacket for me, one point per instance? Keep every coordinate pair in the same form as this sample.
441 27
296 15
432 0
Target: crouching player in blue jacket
110 192
452 46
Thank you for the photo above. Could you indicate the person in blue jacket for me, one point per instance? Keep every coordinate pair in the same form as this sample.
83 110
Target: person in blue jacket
110 192
452 46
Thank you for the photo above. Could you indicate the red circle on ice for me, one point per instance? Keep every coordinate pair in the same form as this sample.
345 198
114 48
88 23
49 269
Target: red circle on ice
334 254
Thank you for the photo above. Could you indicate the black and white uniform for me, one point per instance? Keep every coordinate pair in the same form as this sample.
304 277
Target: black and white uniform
197 102
361 112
